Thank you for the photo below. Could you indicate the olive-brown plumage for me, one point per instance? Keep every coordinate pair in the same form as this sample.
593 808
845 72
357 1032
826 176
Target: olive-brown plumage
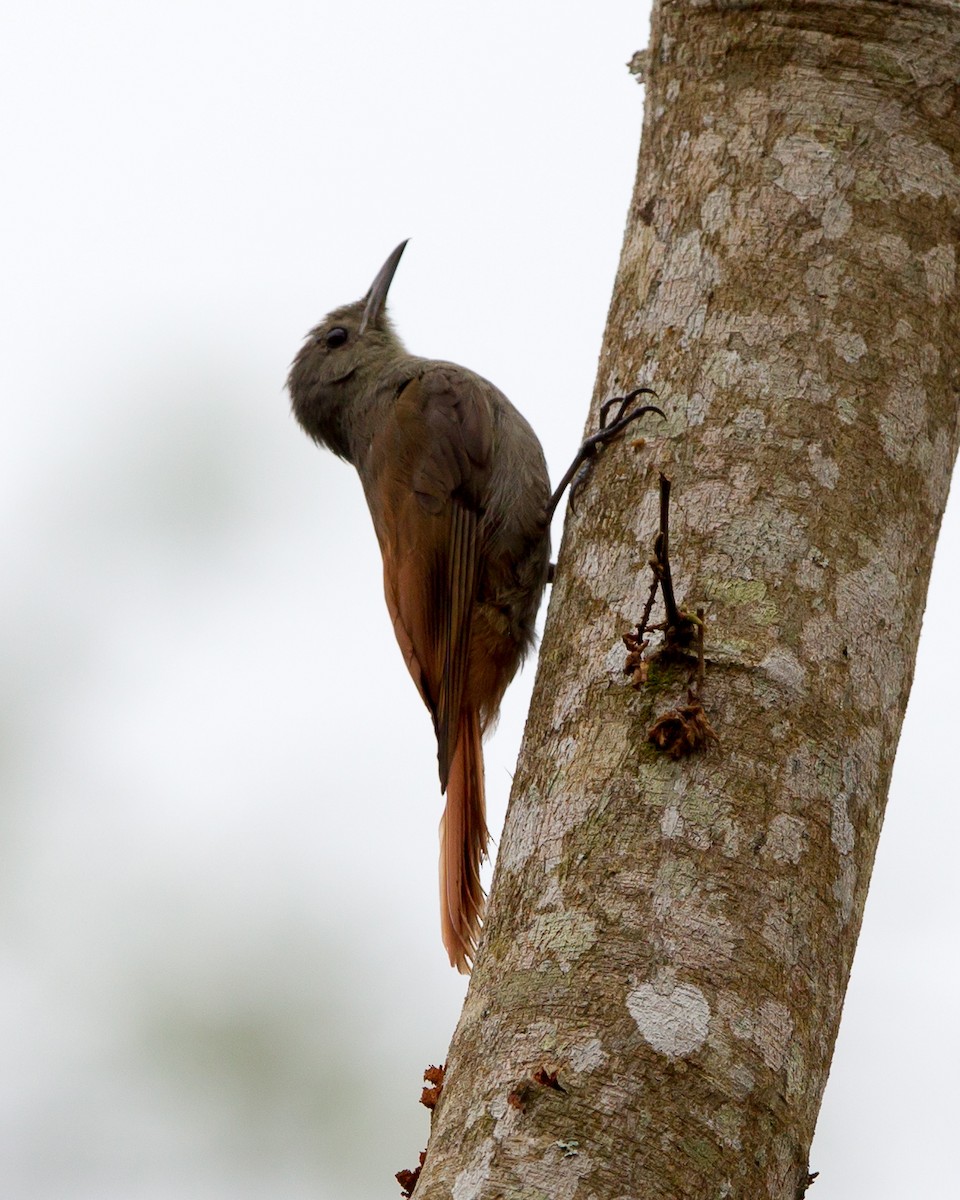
458 490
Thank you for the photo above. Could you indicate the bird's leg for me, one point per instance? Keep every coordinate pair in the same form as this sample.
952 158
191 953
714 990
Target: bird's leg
579 469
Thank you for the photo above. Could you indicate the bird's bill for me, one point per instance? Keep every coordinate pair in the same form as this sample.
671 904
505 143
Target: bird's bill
377 296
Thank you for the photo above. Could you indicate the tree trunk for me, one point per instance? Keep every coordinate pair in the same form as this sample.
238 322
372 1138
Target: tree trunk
671 939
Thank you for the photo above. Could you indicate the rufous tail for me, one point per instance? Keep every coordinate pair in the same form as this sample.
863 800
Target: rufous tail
463 846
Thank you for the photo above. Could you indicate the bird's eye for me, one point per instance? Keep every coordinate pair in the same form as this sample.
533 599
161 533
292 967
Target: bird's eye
336 337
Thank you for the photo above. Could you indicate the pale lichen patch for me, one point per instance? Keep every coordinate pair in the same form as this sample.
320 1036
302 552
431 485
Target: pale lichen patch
706 505
837 217
708 145
772 1032
568 701
552 896
810 571
847 409
841 827
671 823
618 591
694 930
591 567
940 268
673 1018
752 328
942 453
921 167
823 279
536 1039
556 1174
521 833
587 1056
645 519
749 597
749 419
785 668
902 331
825 470
807 165
889 251
686 269
901 422
844 888
888 116
505 1116
699 817
563 936
723 367
929 359
797 1080
736 1014
810 774
779 933
864 598
732 835
820 639
782 1168
728 1124
697 409
742 1081
476 1112
565 752
849 345
697 829
787 838
613 663
715 210
470 1182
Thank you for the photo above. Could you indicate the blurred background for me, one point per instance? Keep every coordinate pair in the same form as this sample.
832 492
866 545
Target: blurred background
220 967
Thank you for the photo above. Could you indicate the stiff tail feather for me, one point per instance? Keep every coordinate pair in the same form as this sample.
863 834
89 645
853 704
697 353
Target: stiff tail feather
463 846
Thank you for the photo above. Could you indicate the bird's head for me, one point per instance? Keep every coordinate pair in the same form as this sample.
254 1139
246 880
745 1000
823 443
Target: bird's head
341 359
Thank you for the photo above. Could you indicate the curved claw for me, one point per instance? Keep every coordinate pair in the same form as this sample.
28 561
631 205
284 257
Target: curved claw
607 433
623 401
623 422
580 467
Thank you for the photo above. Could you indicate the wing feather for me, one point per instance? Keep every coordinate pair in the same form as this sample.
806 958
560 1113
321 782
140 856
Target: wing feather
434 457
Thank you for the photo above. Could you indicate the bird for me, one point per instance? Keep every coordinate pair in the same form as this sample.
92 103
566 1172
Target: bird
457 486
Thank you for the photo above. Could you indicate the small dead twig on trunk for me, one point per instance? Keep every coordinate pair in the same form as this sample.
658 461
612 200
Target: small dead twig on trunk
685 729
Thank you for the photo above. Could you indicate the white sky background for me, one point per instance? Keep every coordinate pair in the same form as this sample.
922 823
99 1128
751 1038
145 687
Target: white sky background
220 965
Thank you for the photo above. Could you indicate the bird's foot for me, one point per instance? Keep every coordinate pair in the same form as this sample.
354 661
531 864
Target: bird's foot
576 474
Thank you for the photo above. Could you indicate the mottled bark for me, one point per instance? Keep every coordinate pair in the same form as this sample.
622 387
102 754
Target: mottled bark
674 938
